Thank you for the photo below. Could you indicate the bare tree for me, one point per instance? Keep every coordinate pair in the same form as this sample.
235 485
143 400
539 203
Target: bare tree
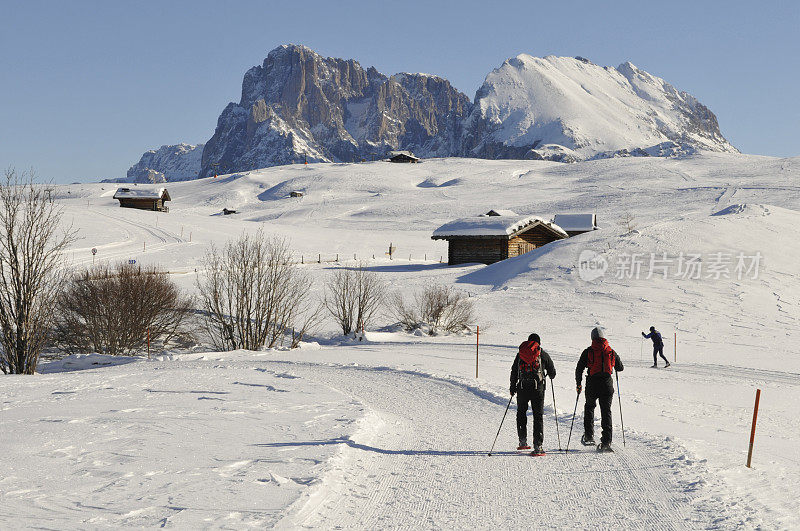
117 309
253 296
627 221
439 308
31 243
353 298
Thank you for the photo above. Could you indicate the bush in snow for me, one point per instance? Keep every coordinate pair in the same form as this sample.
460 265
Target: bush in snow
253 296
353 298
437 308
31 272
112 309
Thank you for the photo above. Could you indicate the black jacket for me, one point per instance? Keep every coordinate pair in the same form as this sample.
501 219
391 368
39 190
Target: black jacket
583 364
547 366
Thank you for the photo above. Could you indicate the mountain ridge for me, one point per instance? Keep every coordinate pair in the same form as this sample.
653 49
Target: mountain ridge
300 106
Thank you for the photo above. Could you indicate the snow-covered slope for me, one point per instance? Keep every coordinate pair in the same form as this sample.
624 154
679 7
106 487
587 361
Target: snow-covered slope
530 103
179 162
405 423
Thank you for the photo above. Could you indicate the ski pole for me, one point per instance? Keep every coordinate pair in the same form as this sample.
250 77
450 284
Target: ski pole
555 413
619 397
501 424
573 422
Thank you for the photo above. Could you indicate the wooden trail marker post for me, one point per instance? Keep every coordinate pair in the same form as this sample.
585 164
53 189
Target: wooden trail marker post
477 347
753 428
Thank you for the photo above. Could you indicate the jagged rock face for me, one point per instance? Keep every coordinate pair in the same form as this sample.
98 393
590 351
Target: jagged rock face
180 162
589 111
300 106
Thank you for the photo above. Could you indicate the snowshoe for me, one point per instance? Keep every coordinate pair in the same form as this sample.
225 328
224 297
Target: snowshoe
523 445
587 442
654 366
537 451
604 447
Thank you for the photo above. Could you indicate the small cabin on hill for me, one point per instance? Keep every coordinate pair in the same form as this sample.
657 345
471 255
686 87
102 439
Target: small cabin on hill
574 224
501 212
402 156
489 239
296 193
143 198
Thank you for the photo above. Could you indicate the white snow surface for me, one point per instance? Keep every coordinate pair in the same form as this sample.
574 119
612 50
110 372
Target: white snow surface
393 431
565 102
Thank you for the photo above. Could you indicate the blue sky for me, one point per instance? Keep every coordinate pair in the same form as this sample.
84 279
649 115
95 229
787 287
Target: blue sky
86 87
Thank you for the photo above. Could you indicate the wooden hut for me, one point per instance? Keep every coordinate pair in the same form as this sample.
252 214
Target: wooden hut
489 239
296 193
143 198
402 156
501 212
574 224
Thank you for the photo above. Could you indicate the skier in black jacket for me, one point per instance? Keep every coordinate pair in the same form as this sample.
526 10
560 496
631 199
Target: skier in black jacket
531 365
658 345
601 361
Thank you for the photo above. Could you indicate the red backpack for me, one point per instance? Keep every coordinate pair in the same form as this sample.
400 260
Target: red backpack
530 370
601 357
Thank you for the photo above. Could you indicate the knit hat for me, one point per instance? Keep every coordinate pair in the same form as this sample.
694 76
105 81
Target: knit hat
598 333
535 337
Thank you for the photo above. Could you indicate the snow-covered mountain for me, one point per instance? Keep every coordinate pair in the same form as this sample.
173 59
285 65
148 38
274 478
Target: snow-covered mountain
564 108
180 162
300 106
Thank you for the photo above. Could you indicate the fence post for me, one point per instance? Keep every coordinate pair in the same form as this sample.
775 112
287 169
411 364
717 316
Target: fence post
753 428
477 347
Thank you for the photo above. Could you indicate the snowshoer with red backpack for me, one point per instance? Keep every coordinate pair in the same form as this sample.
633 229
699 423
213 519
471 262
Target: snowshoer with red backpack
531 365
601 361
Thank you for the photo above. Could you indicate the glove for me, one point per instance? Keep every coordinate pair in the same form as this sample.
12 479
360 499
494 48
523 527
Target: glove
512 391
644 335
579 389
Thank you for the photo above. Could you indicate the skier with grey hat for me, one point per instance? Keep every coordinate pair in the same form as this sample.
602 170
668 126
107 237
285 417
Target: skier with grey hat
601 361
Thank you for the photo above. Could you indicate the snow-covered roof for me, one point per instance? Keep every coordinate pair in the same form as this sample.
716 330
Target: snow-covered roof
141 193
576 222
406 153
493 226
501 212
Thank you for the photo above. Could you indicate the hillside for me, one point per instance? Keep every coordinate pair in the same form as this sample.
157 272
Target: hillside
384 438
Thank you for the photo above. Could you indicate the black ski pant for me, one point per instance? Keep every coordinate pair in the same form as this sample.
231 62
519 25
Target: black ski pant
658 350
599 391
536 399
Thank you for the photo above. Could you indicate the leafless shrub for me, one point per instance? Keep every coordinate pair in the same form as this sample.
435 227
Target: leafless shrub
116 309
436 308
253 296
31 245
627 221
353 298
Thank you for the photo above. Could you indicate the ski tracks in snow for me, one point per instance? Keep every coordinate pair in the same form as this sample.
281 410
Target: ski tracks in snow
420 460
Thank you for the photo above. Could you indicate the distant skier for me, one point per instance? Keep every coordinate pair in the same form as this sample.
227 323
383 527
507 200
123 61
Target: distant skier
658 346
601 361
528 372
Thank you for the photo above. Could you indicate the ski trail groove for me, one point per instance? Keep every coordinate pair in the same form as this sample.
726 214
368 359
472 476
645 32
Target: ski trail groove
428 468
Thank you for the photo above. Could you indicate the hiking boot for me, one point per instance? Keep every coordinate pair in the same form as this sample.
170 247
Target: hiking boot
537 450
654 366
587 441
667 365
523 445
604 447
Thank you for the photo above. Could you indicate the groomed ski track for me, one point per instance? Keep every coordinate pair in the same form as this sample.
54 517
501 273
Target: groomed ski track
420 460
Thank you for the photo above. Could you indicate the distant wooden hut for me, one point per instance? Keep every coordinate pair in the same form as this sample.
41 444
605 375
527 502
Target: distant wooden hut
228 211
143 198
501 212
296 193
402 156
489 239
574 224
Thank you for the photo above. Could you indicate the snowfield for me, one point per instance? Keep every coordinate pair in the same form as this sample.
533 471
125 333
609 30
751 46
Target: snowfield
393 431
